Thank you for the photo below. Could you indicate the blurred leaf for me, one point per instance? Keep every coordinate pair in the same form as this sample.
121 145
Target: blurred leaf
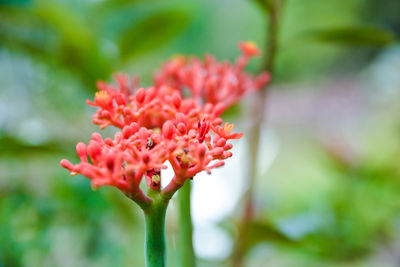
354 35
10 145
20 30
78 46
151 32
14 2
53 33
265 232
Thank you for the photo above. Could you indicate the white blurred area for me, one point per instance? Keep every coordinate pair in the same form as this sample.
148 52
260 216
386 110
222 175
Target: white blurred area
216 196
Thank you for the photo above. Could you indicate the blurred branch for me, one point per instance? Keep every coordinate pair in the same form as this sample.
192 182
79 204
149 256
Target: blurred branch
354 35
273 12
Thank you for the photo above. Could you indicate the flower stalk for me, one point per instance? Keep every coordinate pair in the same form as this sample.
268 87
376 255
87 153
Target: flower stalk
155 245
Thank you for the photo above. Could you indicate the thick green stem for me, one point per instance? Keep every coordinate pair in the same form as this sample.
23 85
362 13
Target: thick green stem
155 231
188 258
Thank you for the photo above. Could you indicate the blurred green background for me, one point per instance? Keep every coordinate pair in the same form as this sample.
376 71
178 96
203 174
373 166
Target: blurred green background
328 191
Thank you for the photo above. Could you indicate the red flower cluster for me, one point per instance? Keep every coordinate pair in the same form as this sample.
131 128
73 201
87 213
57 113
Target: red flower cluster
158 126
212 81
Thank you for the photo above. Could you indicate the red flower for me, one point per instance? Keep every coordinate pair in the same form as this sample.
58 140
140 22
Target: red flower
156 128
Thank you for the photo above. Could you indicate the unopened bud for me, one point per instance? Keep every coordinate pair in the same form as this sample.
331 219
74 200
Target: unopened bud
97 137
81 150
66 164
228 146
250 49
105 114
176 100
93 149
135 127
221 142
126 132
218 151
168 130
109 141
140 95
120 100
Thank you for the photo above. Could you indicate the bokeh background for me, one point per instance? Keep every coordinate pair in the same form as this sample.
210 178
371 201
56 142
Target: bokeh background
328 186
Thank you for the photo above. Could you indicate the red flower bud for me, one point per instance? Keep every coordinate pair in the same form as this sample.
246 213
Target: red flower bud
109 141
218 151
221 142
81 150
140 95
250 49
135 127
126 132
97 137
168 130
176 100
93 149
66 164
228 146
119 99
127 111
218 121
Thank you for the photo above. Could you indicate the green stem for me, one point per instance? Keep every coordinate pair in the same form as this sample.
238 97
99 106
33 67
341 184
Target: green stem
155 231
188 258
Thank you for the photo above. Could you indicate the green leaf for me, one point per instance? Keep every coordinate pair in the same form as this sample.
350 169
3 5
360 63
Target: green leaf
354 35
151 32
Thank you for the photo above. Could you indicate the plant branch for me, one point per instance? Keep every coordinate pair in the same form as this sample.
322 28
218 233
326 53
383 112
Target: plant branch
172 187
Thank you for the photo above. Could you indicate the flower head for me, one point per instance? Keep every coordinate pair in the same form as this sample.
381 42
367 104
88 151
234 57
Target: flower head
158 125
155 127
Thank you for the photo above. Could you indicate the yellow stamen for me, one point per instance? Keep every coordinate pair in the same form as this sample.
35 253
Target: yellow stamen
185 159
101 95
228 128
156 178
